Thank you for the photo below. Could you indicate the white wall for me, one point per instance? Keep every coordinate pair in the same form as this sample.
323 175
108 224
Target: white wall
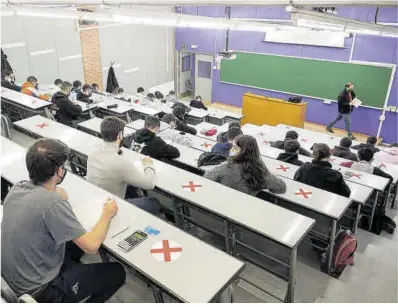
58 38
148 50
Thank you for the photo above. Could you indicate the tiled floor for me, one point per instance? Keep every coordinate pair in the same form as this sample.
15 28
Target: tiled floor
372 279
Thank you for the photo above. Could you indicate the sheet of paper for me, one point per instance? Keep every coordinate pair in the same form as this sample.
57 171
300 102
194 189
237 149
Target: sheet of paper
356 102
89 214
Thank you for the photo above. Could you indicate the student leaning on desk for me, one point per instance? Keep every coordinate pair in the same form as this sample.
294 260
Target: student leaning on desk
42 240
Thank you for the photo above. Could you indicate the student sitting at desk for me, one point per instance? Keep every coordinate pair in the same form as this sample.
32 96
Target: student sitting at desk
343 151
197 103
179 113
174 135
42 240
365 156
85 94
77 85
388 155
30 88
224 148
293 135
68 112
95 88
110 170
8 81
291 153
223 136
171 96
159 95
245 170
319 173
58 83
141 91
148 143
370 143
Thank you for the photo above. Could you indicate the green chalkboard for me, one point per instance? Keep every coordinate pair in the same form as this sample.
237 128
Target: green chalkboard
308 77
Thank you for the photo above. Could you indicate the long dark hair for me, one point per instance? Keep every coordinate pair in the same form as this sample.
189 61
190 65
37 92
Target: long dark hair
254 170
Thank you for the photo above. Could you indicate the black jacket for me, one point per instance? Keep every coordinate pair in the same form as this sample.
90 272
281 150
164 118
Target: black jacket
83 97
369 146
344 102
197 104
67 111
281 145
153 146
320 174
290 157
111 82
182 126
9 85
222 137
344 153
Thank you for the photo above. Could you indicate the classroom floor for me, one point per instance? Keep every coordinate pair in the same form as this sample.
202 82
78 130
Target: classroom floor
373 279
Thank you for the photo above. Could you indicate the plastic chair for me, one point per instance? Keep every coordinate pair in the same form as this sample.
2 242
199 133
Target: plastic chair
10 297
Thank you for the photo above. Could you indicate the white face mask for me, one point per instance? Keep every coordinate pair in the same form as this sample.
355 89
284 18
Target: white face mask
234 151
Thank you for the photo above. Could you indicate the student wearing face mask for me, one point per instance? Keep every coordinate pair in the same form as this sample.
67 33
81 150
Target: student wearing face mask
148 143
85 94
68 113
8 81
319 173
245 171
171 96
172 134
42 240
110 170
224 148
345 109
197 103
30 87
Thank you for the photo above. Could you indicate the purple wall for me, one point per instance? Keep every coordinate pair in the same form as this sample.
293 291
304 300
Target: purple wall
366 48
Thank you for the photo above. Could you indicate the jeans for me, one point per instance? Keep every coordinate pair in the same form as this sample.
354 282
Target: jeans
347 119
149 204
76 282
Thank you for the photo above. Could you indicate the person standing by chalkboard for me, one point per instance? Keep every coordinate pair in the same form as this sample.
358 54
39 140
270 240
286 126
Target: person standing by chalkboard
345 109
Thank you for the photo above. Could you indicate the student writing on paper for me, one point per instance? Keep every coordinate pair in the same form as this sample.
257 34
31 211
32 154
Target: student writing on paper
344 109
42 240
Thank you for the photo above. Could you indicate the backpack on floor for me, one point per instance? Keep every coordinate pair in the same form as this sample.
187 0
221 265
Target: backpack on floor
345 245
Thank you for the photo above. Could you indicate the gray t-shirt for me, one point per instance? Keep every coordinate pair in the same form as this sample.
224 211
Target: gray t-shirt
36 225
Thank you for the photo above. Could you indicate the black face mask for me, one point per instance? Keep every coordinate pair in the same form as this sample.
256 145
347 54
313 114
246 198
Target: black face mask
63 177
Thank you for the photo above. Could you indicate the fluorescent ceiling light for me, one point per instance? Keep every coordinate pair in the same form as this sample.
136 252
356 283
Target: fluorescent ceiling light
41 52
13 45
114 66
70 57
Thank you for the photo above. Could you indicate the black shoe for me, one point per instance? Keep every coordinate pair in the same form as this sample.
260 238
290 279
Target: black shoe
329 129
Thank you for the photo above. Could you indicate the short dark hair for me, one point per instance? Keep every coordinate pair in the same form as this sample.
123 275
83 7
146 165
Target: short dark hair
94 85
86 87
291 146
111 126
65 85
140 90
6 73
345 142
152 122
43 159
168 118
31 79
291 135
372 140
151 96
198 97
57 81
234 124
179 111
321 151
349 83
365 154
77 83
172 93
159 95
233 133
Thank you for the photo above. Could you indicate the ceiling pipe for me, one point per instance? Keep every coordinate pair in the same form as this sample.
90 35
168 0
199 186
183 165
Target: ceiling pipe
327 3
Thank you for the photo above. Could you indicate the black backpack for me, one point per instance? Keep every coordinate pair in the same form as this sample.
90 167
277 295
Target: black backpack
211 158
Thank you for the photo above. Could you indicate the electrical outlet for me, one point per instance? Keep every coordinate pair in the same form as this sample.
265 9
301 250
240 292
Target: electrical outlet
382 118
393 109
194 46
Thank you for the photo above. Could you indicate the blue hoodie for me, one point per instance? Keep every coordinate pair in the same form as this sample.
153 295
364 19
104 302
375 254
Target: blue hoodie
222 148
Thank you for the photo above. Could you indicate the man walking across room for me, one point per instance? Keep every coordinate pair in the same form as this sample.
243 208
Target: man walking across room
345 108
